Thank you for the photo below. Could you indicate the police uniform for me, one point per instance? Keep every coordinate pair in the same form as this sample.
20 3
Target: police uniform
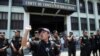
3 46
16 41
85 46
42 49
97 42
56 49
71 47
93 45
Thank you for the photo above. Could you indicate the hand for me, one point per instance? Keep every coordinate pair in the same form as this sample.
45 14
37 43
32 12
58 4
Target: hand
20 51
28 28
14 50
1 50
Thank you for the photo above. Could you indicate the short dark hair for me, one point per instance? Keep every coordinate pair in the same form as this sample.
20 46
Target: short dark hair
43 29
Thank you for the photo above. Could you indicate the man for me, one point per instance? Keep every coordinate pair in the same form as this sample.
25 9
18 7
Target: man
58 42
36 36
71 45
44 47
16 44
97 36
85 45
93 45
3 45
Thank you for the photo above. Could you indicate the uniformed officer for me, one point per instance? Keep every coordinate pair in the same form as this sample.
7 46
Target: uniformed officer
97 36
36 36
58 42
3 45
93 44
85 44
71 44
44 47
16 44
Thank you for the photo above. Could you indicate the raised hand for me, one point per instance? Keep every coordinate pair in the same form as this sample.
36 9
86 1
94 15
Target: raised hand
28 28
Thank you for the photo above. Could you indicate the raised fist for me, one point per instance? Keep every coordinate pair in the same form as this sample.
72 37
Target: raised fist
28 28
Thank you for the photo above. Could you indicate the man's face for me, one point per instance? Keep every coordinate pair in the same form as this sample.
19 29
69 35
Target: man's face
36 34
56 34
0 36
85 33
98 32
17 33
44 35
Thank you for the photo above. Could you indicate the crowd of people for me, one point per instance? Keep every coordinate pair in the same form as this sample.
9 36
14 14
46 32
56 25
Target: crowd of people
45 43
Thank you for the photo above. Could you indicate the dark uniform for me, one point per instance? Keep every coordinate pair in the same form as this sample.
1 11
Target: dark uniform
93 45
42 49
16 41
98 43
85 46
3 46
57 49
71 47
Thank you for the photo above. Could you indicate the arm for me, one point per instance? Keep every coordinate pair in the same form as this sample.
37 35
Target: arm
13 47
24 39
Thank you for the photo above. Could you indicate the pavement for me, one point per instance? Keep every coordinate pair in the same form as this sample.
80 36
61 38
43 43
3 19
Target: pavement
64 53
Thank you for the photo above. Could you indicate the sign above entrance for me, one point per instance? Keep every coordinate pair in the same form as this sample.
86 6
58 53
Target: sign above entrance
44 4
48 8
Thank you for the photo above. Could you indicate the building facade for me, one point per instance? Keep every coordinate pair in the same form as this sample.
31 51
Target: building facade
63 15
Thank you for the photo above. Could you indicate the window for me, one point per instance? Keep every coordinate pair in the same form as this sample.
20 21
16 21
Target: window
17 2
3 20
92 24
60 1
90 7
99 23
82 6
74 23
4 2
72 2
98 5
49 0
83 23
17 21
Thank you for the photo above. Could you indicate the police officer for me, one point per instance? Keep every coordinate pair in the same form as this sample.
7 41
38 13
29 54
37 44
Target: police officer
16 44
71 44
58 42
97 36
44 47
93 44
3 45
85 44
36 36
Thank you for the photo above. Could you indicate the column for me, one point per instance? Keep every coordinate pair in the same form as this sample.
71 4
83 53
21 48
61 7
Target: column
68 23
9 19
79 19
26 20
96 14
87 15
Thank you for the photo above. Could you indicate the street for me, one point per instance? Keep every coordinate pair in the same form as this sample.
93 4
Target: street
64 53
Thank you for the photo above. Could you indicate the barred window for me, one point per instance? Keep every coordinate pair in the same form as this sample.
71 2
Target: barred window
92 24
99 23
3 20
83 23
74 23
17 21
72 2
90 7
82 6
4 2
98 5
